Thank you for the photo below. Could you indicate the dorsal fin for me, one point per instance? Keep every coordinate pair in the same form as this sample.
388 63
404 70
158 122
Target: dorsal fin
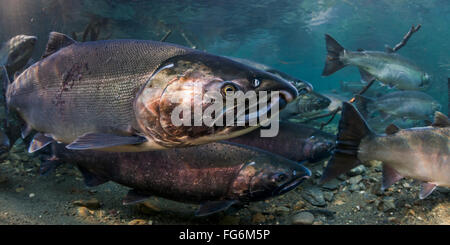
440 120
56 41
392 129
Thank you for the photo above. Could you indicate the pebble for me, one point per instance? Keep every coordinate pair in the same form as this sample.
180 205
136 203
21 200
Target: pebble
314 196
354 187
299 205
281 209
303 218
388 204
355 180
332 184
20 189
138 222
84 212
31 195
328 196
91 203
342 177
357 171
258 218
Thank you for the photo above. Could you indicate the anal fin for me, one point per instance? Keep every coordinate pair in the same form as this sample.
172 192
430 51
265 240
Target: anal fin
134 197
39 141
427 189
98 141
390 176
214 207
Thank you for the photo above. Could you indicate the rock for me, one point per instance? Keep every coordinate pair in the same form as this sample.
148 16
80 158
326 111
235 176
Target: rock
138 222
328 196
20 189
353 188
342 177
394 220
355 180
258 218
84 212
31 195
332 184
359 170
91 204
303 218
388 204
299 205
314 196
281 210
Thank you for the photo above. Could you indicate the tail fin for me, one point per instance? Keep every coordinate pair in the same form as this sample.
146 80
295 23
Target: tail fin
352 129
333 62
363 104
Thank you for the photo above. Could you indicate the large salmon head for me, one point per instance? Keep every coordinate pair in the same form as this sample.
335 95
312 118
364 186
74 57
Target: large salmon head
194 99
265 178
19 50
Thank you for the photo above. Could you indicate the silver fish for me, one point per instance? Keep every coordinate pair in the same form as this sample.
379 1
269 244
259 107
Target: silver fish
389 68
402 104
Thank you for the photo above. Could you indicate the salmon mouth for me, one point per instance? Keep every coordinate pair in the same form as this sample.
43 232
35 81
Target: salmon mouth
297 178
288 186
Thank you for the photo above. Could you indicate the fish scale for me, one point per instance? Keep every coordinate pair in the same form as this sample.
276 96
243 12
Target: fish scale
101 84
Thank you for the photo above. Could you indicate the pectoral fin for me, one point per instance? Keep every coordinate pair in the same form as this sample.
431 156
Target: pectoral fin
39 141
26 130
427 189
390 176
98 141
365 76
134 197
214 207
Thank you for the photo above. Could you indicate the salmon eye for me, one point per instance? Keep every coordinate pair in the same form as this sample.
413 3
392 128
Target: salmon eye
228 89
256 82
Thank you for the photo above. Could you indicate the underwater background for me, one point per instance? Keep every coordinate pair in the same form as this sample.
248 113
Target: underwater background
285 34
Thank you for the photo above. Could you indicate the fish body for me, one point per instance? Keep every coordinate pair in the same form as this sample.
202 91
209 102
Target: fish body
421 153
402 104
15 53
216 175
375 90
389 68
297 142
119 95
